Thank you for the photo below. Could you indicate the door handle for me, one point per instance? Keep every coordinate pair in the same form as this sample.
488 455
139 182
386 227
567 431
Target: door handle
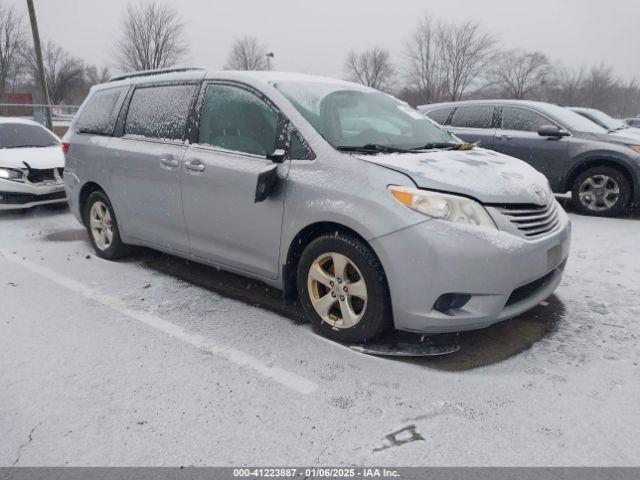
194 165
169 161
504 137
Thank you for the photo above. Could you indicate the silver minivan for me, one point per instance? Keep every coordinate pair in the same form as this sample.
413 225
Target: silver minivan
339 195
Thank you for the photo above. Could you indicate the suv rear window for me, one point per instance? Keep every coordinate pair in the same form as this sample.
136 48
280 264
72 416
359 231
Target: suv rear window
477 116
440 115
159 111
100 113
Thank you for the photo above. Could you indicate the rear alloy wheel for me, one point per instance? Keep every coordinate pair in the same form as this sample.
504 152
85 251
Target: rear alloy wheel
343 289
601 191
102 227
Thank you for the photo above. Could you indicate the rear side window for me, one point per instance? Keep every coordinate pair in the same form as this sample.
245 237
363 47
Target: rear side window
514 118
440 115
477 116
100 113
159 112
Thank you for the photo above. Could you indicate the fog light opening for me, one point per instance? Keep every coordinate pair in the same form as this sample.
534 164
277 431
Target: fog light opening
448 302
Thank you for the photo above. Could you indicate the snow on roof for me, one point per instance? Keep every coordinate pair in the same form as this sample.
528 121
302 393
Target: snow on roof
264 77
22 120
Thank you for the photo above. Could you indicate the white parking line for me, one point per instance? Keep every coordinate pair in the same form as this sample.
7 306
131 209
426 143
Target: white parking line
290 380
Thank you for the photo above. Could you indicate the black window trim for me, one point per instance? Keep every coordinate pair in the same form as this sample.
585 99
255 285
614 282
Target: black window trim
447 119
124 111
284 124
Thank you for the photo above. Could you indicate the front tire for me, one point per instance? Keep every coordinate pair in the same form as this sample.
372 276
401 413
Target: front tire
102 227
343 289
601 191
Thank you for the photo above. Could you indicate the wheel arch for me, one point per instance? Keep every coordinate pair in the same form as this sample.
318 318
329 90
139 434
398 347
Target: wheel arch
610 162
300 241
86 190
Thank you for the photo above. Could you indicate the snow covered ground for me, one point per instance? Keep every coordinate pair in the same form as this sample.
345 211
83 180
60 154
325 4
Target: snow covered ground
157 361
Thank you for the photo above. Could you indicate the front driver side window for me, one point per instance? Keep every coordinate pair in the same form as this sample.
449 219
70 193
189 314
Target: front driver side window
523 120
237 120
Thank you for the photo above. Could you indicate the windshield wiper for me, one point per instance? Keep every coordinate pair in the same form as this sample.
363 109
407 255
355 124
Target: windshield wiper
31 146
372 148
440 146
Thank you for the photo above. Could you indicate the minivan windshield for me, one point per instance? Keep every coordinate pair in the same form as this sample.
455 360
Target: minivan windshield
363 119
22 135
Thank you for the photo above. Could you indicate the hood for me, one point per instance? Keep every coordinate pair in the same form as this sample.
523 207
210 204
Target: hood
40 158
628 136
487 176
617 137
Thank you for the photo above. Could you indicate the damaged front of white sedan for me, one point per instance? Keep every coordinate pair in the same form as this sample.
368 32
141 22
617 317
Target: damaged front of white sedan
31 165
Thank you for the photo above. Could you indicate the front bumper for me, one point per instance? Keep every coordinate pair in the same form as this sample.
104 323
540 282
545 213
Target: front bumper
505 275
17 195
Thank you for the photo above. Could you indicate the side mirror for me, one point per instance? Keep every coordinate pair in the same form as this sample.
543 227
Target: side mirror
552 131
277 156
267 180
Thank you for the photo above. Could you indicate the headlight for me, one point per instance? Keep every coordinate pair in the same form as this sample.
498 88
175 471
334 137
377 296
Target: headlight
635 148
10 174
451 208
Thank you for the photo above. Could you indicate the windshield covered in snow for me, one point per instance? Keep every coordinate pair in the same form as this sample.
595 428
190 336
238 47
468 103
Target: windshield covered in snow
20 135
364 119
605 120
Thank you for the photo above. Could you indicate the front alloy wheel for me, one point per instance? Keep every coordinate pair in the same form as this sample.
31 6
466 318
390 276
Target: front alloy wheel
343 288
601 191
337 289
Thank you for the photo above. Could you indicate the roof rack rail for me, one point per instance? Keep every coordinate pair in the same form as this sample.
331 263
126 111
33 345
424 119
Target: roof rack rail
146 73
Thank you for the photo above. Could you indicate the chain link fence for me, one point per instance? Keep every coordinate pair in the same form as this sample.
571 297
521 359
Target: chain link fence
61 114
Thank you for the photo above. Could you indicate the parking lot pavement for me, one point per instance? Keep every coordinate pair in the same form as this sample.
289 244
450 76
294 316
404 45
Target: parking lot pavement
159 361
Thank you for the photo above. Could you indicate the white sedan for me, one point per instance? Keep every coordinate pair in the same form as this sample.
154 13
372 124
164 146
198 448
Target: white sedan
31 165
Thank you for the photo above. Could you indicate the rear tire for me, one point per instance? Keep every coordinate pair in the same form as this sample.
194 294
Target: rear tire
601 191
102 227
343 289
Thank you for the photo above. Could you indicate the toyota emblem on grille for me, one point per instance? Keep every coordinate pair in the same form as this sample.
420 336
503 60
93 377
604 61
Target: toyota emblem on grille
540 194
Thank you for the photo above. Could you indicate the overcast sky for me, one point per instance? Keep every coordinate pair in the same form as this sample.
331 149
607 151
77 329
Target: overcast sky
314 36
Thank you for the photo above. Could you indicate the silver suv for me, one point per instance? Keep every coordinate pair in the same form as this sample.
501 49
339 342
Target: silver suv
338 194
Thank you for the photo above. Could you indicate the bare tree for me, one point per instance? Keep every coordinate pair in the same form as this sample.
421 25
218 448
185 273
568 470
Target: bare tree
519 74
63 72
598 86
372 68
423 68
12 44
465 49
247 53
565 86
93 75
152 37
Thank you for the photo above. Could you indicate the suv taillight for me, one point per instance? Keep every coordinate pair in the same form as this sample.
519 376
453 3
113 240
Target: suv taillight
65 147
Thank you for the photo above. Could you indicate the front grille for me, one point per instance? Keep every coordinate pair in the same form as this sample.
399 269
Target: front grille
532 220
13 198
47 175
